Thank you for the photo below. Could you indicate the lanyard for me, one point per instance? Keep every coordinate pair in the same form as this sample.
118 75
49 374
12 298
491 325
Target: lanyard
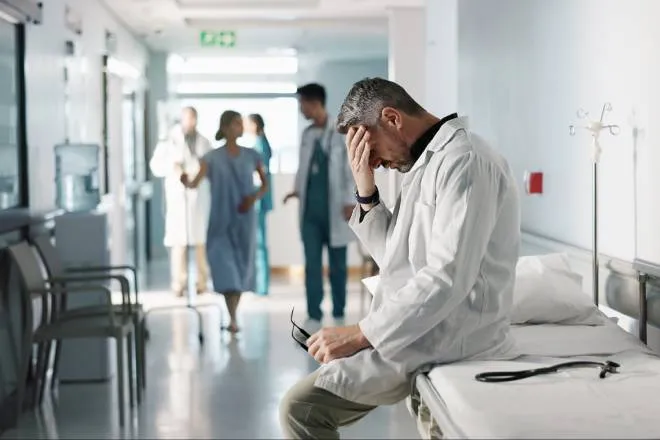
508 376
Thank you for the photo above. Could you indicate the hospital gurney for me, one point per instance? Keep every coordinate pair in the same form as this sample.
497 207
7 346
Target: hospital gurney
447 402
450 403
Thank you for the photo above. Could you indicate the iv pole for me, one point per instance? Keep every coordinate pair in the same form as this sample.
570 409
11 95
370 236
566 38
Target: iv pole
595 128
189 305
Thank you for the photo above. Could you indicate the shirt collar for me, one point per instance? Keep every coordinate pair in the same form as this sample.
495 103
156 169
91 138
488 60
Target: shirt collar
425 139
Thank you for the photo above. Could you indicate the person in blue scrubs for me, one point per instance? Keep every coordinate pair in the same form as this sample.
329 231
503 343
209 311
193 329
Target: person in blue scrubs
231 236
325 191
255 126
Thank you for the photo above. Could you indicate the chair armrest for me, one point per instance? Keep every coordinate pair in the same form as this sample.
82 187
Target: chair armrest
102 268
79 289
106 269
123 282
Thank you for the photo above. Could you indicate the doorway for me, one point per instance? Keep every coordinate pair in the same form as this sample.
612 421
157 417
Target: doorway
124 105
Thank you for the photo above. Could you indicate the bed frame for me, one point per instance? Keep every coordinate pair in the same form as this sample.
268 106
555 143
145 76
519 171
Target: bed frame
632 289
647 273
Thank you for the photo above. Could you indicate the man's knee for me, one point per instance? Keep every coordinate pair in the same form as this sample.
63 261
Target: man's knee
310 412
296 410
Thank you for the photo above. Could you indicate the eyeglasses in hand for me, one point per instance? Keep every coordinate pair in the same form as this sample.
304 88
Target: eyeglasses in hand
299 334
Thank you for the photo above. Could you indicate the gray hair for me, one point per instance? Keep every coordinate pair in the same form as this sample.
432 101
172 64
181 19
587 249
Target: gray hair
367 99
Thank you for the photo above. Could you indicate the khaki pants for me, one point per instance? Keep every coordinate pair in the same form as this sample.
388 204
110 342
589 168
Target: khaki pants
308 412
179 268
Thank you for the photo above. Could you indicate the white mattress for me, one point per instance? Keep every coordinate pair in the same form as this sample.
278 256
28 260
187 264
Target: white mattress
569 404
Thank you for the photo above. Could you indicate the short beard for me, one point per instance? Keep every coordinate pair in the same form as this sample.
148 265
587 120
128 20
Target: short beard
405 167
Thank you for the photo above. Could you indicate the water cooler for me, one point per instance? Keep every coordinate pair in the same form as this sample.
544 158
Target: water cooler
82 239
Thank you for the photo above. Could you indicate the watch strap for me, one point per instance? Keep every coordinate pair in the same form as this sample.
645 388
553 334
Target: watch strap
369 200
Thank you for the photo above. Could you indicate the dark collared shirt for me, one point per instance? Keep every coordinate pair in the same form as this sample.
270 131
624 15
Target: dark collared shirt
424 140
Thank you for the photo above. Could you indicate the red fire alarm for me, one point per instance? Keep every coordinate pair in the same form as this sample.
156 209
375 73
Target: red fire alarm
534 182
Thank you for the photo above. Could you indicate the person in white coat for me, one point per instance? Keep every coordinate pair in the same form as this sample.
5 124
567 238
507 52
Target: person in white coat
325 193
173 156
447 255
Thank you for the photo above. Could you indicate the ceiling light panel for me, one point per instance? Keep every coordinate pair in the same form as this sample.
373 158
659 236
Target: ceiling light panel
243 4
232 65
232 88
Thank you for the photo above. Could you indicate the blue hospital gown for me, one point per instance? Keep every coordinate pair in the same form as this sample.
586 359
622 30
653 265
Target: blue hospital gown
231 236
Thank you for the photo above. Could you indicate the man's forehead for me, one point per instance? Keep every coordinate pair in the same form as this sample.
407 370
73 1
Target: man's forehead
370 128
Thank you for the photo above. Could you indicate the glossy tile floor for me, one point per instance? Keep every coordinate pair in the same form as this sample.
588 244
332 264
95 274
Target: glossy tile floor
229 388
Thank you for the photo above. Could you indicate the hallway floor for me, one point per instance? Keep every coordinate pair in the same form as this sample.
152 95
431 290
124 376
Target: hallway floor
229 388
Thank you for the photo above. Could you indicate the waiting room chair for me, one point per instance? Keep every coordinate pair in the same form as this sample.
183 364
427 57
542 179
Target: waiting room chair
118 326
57 274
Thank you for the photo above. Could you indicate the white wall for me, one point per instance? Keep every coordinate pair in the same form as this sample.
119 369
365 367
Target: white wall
45 56
339 75
407 37
526 66
441 91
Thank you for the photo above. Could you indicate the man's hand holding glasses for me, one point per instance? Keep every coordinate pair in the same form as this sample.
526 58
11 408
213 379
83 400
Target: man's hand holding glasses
330 343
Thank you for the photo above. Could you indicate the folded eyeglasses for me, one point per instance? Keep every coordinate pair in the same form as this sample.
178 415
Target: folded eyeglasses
299 334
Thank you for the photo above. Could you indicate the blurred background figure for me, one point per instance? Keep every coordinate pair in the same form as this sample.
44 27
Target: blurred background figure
231 236
186 210
324 188
255 126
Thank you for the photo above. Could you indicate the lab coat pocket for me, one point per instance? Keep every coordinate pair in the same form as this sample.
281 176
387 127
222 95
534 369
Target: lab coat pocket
419 239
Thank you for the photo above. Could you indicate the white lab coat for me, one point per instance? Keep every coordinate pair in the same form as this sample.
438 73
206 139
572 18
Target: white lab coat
342 188
447 256
168 152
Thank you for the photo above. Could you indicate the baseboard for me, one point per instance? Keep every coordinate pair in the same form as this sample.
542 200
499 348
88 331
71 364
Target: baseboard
297 272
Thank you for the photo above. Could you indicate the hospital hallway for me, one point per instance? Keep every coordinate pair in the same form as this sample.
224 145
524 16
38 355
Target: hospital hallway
230 388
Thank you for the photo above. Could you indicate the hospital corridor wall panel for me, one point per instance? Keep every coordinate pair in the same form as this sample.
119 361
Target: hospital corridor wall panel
523 93
524 69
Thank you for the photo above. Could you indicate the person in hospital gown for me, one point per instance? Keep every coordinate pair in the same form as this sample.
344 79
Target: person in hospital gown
230 238
447 255
255 126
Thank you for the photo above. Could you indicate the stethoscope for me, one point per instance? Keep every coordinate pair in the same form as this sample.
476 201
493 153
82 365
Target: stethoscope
508 376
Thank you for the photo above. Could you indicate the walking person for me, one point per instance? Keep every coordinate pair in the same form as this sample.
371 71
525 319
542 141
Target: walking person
255 126
231 237
324 188
186 210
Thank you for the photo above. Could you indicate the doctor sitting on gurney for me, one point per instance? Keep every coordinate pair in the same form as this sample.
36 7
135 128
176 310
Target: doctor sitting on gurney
447 255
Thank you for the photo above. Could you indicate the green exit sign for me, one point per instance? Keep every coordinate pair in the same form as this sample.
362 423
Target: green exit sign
217 39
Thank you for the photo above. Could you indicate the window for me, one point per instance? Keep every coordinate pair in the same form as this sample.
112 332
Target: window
280 116
11 151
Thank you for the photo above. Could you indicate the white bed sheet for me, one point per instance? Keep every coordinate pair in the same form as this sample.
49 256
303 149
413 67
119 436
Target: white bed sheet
569 404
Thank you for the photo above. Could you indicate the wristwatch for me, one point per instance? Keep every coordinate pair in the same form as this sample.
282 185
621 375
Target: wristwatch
370 200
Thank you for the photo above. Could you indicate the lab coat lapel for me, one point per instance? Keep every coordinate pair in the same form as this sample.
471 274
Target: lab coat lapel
442 138
326 138
409 194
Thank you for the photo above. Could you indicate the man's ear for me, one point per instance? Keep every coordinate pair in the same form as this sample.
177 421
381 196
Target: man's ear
391 117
